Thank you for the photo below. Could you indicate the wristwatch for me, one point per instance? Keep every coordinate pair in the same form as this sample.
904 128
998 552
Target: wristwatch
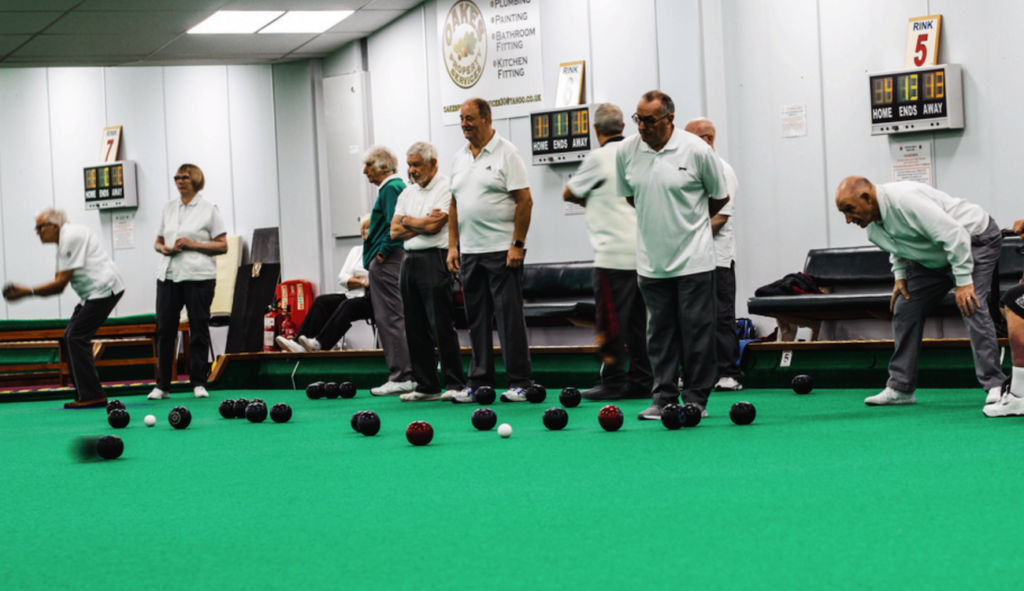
518 244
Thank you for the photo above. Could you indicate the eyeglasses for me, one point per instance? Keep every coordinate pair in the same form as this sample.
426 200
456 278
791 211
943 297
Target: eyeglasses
648 121
183 177
43 225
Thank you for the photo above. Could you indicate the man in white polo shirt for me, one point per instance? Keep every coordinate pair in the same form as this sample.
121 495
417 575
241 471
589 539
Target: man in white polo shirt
421 220
730 376
82 262
611 222
936 242
488 220
676 182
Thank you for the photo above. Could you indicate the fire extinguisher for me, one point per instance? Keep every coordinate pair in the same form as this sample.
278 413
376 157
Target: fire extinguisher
286 326
270 328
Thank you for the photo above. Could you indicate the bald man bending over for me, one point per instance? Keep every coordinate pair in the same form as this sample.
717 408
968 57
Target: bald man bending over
936 242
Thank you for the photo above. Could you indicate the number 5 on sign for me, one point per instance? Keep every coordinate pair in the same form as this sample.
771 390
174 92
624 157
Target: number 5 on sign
111 142
923 41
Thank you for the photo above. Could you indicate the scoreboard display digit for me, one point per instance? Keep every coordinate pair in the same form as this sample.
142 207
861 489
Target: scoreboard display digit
917 99
561 135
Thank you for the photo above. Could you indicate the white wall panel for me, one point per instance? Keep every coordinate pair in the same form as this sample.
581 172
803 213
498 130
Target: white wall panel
26 186
253 149
135 100
783 205
301 254
198 131
77 119
679 48
398 80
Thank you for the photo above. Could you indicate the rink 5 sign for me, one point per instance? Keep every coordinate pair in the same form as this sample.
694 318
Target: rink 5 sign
923 41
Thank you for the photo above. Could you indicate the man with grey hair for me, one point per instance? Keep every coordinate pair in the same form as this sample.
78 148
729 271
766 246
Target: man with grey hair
730 376
488 219
677 184
82 262
421 220
611 223
382 258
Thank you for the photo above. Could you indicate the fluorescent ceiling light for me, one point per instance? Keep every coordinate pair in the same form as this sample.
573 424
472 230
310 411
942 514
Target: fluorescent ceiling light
307 21
236 21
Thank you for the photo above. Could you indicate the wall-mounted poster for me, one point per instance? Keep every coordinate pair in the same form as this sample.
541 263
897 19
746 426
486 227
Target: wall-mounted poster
570 84
490 49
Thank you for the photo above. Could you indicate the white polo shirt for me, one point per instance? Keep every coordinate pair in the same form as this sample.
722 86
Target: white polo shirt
920 223
482 188
94 274
611 222
417 202
671 189
353 267
725 240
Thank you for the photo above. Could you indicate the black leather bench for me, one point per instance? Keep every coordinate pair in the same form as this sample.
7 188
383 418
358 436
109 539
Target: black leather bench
554 294
860 283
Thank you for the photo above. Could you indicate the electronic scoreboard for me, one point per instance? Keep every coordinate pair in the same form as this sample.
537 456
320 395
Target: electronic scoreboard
561 135
111 185
917 99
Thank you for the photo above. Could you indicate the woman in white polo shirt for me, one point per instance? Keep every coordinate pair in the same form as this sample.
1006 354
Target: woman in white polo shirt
191 233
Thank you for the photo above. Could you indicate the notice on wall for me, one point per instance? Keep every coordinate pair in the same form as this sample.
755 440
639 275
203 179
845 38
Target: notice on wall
490 49
794 120
912 161
124 230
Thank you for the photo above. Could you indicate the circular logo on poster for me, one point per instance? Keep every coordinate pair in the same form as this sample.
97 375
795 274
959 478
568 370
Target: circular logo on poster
464 44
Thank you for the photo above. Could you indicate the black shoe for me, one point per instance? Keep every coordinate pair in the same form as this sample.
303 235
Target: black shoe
605 393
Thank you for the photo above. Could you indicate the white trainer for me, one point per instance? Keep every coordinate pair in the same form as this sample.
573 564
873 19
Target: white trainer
201 392
420 397
728 384
1009 405
890 397
463 396
309 344
158 394
993 395
514 395
392 388
449 394
289 345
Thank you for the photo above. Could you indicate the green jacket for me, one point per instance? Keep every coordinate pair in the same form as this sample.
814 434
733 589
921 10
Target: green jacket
379 237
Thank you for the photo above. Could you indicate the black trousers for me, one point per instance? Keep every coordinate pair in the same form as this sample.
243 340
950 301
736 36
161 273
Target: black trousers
622 326
494 292
195 297
331 315
726 340
426 286
87 318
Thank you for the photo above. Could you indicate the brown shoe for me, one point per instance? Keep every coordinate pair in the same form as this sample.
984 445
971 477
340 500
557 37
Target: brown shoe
94 403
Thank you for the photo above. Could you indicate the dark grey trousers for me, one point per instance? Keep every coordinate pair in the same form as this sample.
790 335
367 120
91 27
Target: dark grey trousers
681 330
927 289
622 326
87 318
387 310
727 342
426 287
196 297
494 290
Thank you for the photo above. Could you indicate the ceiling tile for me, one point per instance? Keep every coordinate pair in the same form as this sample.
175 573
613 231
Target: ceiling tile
34 5
144 5
366 21
295 4
9 42
94 45
394 4
204 46
174 22
25 23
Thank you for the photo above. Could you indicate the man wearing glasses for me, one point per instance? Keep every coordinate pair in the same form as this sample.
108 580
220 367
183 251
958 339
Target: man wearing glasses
677 184
82 262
